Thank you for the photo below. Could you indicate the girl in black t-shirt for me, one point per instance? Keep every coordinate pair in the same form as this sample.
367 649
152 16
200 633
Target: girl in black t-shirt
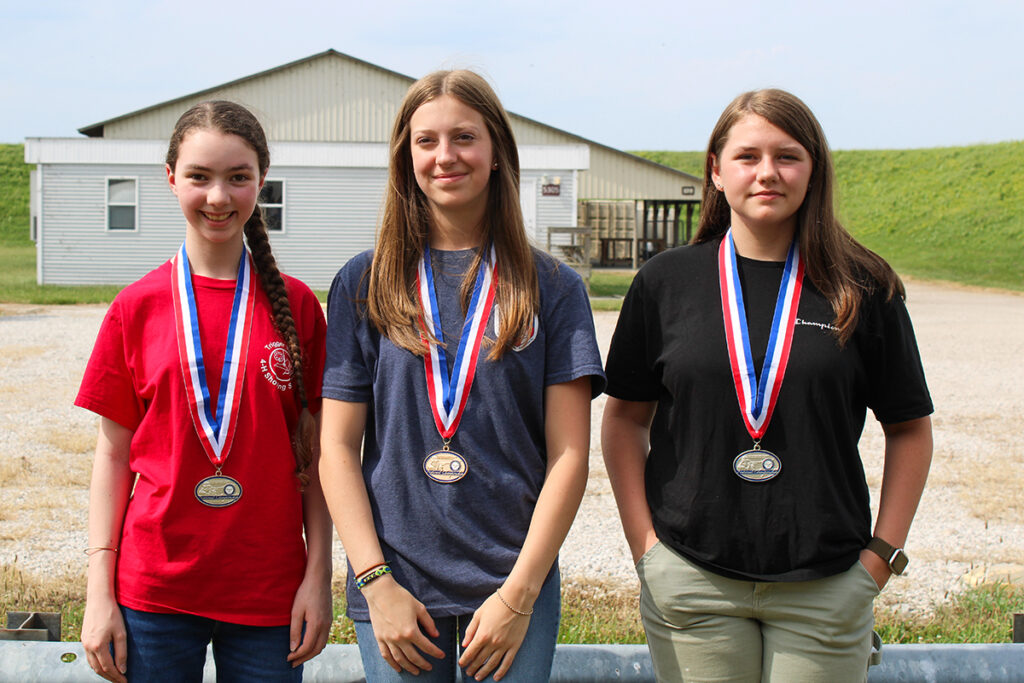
739 377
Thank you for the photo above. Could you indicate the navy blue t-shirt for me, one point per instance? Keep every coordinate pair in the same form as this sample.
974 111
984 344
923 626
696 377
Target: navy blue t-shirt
451 545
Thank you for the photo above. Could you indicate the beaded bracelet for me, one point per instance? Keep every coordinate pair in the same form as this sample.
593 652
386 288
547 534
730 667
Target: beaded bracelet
367 572
372 575
504 602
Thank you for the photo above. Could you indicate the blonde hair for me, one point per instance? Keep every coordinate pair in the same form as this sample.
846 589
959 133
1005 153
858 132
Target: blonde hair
839 266
392 301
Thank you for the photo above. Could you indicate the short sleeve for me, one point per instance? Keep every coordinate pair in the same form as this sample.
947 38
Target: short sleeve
571 350
897 390
107 387
347 375
630 371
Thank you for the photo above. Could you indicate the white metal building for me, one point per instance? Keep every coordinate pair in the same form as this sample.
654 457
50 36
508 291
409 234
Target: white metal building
102 211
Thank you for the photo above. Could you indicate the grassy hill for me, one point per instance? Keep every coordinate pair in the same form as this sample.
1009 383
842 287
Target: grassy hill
687 162
949 213
14 216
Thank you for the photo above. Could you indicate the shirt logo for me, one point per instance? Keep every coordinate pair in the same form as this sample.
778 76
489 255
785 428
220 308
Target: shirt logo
276 365
811 323
527 338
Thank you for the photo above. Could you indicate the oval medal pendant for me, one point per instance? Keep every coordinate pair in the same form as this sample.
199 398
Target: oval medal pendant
218 491
757 465
445 467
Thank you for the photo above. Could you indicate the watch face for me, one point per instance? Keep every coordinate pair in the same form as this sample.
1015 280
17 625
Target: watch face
898 563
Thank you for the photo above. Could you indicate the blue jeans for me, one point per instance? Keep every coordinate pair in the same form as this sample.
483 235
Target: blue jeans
531 665
171 648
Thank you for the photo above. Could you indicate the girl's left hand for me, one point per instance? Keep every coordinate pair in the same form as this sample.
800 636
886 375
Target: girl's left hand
492 640
312 608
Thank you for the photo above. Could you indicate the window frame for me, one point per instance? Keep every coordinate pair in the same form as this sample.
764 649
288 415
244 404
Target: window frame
107 204
264 205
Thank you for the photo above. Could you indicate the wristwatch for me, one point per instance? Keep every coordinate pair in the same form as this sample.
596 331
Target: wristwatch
894 557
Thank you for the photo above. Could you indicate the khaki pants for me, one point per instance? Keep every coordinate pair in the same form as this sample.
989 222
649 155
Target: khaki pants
704 627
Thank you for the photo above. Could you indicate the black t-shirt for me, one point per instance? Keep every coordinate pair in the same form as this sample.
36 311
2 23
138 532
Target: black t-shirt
810 521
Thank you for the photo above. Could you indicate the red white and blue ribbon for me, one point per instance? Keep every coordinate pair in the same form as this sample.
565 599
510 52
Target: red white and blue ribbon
758 395
215 422
449 394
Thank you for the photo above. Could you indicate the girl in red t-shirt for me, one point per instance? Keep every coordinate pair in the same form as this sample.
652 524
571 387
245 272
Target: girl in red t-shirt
213 354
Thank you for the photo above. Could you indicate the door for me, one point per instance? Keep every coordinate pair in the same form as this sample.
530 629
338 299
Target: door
528 203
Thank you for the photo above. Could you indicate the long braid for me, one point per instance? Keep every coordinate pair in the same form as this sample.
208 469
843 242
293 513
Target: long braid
273 285
234 119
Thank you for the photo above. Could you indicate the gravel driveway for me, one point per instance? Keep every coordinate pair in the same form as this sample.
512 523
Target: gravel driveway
970 526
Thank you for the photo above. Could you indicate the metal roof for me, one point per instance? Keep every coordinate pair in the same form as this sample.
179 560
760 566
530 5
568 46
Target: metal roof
96 130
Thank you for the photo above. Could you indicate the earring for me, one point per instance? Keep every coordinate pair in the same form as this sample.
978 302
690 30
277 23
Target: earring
494 166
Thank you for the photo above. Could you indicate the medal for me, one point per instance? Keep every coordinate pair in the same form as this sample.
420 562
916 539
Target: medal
215 427
757 465
758 395
449 394
445 466
218 491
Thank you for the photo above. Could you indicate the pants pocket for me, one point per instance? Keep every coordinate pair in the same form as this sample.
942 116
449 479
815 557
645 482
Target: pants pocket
643 558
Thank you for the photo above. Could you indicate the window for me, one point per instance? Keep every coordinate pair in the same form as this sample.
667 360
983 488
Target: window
272 201
122 204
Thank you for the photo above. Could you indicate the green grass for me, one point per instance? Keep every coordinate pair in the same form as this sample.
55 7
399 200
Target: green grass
610 282
14 193
607 287
18 282
979 615
947 214
687 162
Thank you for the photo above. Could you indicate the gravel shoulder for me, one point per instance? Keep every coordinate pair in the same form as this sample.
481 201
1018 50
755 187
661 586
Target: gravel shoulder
970 526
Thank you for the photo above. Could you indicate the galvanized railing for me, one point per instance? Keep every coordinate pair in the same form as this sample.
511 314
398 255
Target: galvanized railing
48 662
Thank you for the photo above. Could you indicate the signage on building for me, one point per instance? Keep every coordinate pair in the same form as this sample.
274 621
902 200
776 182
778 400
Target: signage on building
550 190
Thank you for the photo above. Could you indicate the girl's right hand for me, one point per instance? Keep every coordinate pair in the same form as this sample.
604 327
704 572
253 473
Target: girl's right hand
399 621
101 626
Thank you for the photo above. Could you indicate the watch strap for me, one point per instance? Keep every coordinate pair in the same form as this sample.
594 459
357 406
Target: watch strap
893 556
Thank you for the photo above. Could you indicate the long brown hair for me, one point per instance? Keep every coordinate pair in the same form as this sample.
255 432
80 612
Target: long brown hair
234 119
839 266
392 301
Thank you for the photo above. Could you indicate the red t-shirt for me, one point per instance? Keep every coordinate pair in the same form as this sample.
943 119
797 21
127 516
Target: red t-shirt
242 563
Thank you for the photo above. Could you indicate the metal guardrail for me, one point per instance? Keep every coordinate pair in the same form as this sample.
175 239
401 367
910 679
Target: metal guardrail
43 662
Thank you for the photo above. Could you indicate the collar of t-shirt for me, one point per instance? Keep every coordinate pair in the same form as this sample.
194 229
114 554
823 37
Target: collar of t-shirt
449 268
760 282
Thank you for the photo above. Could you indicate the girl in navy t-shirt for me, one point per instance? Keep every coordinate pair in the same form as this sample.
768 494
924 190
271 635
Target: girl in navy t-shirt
461 364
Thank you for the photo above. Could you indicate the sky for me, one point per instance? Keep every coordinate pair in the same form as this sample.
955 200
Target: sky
635 75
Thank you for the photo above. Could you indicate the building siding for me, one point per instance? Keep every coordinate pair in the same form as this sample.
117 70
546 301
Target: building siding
330 215
557 211
76 247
